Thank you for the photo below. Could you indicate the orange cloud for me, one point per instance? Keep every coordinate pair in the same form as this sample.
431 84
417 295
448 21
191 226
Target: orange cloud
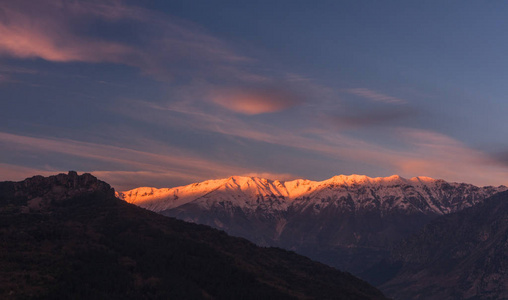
253 102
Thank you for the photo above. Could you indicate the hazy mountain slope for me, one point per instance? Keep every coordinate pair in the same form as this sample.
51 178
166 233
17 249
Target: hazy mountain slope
458 256
68 237
347 221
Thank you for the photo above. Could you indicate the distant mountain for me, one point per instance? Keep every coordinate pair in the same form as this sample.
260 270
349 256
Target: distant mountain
349 222
68 237
463 255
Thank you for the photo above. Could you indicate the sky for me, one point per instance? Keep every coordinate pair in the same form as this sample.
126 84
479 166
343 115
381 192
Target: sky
167 93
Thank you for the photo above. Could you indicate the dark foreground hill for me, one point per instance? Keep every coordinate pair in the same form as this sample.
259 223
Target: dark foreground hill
463 255
68 237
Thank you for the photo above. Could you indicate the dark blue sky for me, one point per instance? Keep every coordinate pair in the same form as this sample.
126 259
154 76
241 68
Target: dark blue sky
163 93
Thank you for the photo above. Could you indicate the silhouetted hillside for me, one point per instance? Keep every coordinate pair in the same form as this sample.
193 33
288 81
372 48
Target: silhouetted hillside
68 237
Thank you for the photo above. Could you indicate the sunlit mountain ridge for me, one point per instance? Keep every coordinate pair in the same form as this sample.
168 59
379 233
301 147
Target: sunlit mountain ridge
349 222
251 191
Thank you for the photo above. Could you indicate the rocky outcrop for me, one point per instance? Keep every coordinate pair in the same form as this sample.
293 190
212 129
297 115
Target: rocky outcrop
38 193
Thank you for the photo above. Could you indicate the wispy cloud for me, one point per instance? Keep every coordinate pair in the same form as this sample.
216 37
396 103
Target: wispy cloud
17 173
17 70
375 96
422 152
44 32
322 140
500 157
173 163
160 46
437 155
373 118
255 101
207 98
411 152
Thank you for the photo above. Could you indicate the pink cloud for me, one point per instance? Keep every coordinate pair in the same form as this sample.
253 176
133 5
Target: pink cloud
129 157
411 153
17 173
425 153
437 155
375 96
44 33
253 102
55 31
63 31
168 163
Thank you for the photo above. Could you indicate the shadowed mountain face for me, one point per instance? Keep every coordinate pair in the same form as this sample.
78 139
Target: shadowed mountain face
68 237
463 255
349 222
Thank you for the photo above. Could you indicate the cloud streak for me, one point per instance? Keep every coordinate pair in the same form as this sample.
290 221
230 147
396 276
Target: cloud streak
211 89
173 164
375 96
160 46
44 33
411 152
439 155
373 118
17 173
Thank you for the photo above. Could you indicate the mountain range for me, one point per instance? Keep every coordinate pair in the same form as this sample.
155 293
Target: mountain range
68 237
349 222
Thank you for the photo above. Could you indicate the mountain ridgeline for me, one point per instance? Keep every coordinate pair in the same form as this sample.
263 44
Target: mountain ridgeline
350 222
68 237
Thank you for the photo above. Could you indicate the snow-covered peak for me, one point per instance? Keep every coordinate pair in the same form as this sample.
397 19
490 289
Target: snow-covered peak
247 182
349 179
423 179
365 180
159 199
253 193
